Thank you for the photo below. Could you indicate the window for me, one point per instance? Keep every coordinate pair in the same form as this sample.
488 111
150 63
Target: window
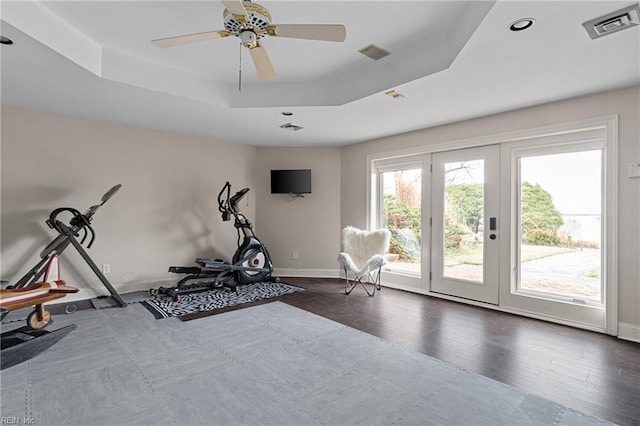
560 224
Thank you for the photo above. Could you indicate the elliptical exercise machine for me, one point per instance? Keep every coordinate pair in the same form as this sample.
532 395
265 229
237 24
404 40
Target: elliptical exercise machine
251 262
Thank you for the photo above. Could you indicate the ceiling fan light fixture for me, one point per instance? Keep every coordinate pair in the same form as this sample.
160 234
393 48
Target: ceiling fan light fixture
249 39
522 24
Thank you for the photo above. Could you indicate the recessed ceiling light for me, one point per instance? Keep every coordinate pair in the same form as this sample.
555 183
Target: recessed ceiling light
287 113
5 40
522 24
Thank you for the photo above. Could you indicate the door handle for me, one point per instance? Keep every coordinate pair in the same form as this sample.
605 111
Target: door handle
492 236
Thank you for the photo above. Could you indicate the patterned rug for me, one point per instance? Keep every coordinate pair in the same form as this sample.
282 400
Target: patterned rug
162 305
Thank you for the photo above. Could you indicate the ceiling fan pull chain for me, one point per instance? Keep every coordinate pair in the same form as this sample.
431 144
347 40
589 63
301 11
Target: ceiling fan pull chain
240 71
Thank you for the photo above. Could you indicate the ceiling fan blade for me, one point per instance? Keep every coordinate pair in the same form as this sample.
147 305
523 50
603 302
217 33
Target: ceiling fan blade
325 32
263 63
188 38
235 7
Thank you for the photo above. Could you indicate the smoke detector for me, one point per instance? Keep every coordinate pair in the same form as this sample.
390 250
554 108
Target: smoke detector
613 22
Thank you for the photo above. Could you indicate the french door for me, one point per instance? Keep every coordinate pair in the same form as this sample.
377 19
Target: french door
465 237
527 223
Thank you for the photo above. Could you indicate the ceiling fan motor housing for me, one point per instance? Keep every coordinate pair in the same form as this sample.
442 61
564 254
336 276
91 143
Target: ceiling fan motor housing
256 21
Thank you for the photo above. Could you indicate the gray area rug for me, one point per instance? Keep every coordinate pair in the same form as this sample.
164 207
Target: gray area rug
268 364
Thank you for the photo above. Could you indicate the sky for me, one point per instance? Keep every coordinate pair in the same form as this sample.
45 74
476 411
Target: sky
573 179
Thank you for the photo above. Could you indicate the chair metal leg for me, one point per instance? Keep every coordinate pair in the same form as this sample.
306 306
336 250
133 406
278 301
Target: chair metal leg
359 280
347 287
377 280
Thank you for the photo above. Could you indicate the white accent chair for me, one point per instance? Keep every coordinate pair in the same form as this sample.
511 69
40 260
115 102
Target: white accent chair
363 255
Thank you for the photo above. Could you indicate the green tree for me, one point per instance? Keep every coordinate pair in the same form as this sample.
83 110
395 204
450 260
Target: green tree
399 218
466 202
540 218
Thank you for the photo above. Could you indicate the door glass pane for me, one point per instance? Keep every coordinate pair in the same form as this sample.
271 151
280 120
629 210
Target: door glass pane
401 214
464 220
560 224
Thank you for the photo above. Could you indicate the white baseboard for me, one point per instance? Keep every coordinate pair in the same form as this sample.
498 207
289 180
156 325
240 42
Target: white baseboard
310 273
146 285
97 289
629 332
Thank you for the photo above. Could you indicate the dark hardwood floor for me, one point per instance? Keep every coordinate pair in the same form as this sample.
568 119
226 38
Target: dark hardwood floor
591 372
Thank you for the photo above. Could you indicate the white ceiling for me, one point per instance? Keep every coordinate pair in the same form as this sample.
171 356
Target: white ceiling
452 60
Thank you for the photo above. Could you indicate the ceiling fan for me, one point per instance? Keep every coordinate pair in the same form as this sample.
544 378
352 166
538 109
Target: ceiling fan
251 22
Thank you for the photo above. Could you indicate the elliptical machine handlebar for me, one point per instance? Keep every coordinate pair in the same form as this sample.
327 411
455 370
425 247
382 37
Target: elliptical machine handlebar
229 205
233 202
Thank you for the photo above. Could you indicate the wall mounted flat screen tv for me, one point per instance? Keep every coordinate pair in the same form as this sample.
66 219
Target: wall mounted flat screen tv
291 181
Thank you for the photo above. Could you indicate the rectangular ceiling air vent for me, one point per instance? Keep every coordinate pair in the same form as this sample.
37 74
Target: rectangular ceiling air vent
290 126
613 22
374 52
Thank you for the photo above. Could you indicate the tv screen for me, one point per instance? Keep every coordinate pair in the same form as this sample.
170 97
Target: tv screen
291 181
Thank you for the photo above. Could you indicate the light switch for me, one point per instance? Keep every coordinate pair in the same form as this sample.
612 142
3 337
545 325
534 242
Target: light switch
634 170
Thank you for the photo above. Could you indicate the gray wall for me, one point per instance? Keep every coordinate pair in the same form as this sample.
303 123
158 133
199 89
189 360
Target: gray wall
309 225
165 214
623 102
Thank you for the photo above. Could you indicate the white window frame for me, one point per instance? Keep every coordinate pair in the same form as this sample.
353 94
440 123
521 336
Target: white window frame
537 150
375 167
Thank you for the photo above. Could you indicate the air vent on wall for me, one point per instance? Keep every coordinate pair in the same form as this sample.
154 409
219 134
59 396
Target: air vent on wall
290 126
613 22
374 52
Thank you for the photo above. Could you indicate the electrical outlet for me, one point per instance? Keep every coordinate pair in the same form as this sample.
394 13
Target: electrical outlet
106 268
294 255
